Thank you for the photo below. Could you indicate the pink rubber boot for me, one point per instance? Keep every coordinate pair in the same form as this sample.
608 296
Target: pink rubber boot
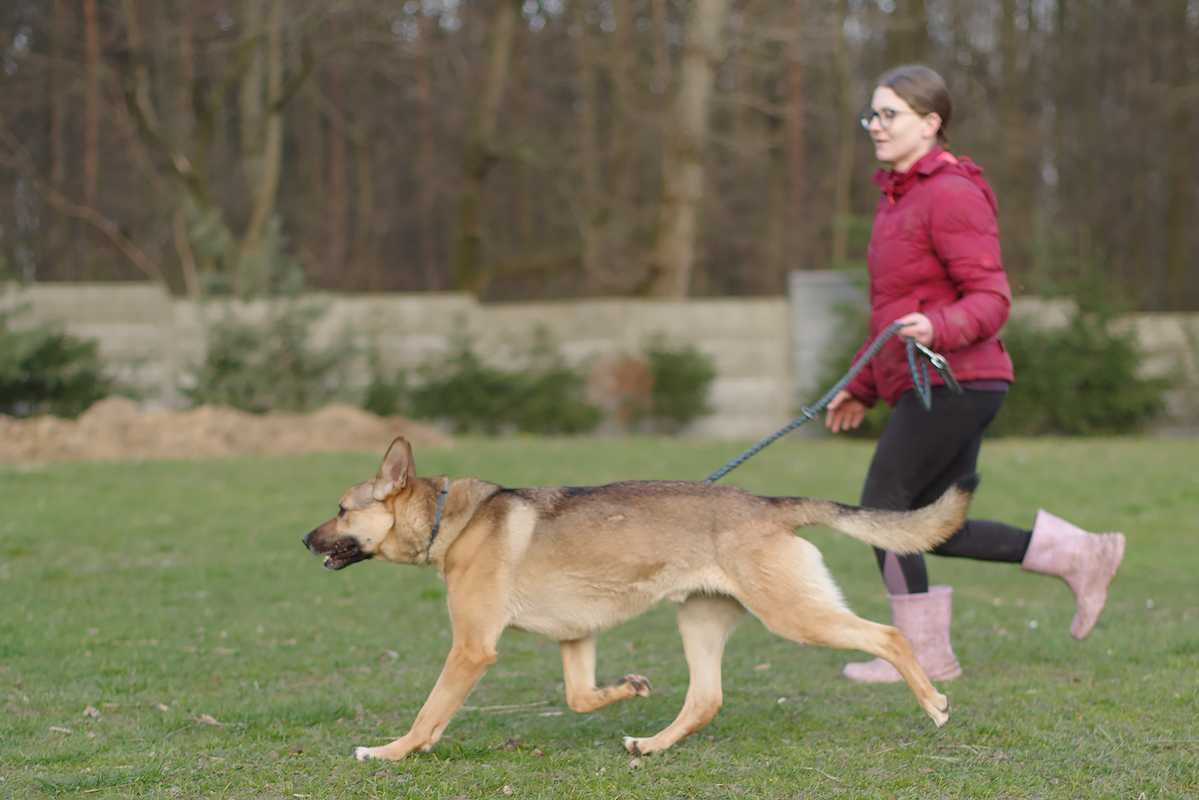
924 620
1087 562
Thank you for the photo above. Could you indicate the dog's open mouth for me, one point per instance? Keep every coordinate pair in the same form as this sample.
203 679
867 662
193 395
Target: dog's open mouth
343 554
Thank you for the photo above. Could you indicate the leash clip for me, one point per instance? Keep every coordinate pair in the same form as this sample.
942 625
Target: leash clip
936 359
941 365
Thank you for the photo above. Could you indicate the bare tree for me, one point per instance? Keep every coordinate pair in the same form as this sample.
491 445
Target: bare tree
800 217
594 147
470 270
588 207
261 116
426 153
253 70
91 144
843 163
1182 97
683 158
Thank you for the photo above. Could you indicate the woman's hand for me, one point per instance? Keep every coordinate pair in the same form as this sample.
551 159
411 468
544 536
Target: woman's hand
917 326
845 412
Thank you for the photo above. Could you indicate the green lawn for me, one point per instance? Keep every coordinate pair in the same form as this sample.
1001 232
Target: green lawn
170 596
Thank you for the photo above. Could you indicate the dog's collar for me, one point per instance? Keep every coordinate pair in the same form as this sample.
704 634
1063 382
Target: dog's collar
441 495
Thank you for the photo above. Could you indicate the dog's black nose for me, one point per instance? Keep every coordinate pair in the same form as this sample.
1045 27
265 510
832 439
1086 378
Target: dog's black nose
307 539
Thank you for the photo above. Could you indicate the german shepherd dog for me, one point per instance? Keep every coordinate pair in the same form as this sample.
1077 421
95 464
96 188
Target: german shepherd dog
568 562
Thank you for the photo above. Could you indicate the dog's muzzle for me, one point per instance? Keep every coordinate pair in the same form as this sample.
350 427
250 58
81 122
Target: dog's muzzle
340 554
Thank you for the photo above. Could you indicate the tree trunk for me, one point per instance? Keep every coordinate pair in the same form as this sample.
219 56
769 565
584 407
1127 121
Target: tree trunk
361 251
1019 173
683 159
843 173
1181 131
470 272
797 167
588 211
57 95
907 34
59 238
262 142
181 126
91 102
662 71
184 112
427 160
141 67
620 208
336 200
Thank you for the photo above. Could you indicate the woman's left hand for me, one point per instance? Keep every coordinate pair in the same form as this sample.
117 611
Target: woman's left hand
917 326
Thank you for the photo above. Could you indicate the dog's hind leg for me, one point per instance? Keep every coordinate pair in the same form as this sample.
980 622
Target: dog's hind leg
705 623
787 586
578 668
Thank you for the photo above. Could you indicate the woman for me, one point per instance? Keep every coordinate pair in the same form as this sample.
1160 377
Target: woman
935 267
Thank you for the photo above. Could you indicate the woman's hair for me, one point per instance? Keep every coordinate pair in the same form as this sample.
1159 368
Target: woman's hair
922 89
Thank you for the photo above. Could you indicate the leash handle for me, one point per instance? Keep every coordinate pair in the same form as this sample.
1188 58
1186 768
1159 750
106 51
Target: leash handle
919 378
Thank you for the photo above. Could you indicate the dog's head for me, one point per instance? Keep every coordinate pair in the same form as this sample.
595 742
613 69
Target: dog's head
369 516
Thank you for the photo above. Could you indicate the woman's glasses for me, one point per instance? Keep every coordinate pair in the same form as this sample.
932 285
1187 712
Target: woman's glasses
885 117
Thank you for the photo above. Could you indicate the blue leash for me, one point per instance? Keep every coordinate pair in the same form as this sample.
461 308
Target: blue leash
919 379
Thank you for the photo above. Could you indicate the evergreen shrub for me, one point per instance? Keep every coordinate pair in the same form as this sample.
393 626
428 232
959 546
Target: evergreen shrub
682 383
545 397
44 370
267 367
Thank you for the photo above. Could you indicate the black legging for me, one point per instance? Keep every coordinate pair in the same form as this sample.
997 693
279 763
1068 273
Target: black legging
919 455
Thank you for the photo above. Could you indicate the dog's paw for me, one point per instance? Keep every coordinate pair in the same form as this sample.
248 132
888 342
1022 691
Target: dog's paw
632 745
363 753
639 683
939 710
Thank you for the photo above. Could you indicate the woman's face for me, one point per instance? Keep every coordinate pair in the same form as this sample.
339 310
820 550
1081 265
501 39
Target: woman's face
900 135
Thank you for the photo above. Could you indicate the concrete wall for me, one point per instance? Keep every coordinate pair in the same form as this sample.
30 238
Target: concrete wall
768 352
1171 346
817 298
153 340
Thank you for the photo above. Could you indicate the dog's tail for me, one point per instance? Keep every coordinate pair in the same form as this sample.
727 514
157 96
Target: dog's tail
900 531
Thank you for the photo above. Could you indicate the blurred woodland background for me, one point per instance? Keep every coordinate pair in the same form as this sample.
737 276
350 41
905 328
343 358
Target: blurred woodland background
523 149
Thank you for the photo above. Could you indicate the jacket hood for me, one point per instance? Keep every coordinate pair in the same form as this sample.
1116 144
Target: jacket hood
895 185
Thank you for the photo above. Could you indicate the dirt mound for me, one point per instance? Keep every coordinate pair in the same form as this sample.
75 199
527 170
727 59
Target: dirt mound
117 428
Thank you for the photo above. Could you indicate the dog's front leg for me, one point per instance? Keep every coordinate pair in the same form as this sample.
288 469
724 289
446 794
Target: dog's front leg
477 619
463 668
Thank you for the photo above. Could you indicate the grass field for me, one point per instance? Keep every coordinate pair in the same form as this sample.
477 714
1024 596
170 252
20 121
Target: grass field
165 635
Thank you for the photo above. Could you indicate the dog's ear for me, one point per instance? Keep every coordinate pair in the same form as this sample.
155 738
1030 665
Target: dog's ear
397 466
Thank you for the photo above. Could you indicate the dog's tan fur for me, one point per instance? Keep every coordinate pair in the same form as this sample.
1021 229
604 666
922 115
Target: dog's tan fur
569 562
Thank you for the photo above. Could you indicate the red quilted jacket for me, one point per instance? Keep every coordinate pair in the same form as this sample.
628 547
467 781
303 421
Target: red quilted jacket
934 248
